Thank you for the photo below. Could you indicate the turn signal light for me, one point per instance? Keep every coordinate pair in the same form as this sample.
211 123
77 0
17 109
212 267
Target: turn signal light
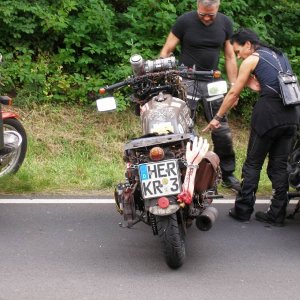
157 153
217 74
102 91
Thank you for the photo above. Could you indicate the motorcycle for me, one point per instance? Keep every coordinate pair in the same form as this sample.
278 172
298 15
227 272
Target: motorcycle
13 139
156 164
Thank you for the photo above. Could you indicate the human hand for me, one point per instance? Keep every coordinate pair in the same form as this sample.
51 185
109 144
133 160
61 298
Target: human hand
214 124
196 152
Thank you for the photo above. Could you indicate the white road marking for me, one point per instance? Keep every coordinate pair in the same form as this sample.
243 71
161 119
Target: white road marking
107 201
56 201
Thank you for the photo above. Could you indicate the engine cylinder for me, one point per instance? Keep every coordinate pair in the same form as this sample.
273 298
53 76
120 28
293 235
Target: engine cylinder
137 64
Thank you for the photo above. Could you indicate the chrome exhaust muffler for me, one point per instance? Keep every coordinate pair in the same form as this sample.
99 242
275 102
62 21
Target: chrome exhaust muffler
205 221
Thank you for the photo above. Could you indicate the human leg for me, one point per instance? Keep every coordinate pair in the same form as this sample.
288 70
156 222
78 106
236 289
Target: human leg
223 145
258 148
277 172
194 94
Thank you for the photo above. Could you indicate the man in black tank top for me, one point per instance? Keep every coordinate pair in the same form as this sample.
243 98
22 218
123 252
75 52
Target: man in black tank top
273 127
202 34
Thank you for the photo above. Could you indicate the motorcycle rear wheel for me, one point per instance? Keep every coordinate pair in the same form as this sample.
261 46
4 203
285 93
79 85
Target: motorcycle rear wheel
16 157
172 240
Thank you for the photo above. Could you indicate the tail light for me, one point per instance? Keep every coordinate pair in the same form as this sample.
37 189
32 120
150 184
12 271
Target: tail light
163 202
157 153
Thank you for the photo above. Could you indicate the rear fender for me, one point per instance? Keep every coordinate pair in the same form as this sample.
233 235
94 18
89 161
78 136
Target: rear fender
158 211
9 115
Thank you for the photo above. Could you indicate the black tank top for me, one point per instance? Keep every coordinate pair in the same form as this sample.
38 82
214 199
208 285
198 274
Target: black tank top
267 74
269 111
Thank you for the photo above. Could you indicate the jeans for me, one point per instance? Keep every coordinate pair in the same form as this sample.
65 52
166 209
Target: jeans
276 143
221 137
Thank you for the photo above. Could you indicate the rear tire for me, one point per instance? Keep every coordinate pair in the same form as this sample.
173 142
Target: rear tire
172 240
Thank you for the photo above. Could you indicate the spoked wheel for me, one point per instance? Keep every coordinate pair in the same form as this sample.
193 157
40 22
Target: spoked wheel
12 161
172 240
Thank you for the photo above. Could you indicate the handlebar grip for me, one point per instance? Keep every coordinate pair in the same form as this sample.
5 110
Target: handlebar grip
205 73
194 74
113 87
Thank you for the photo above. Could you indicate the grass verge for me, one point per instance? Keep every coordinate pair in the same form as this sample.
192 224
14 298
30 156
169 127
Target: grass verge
76 150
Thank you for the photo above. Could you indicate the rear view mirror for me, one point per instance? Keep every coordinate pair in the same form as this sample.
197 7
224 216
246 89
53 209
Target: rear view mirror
106 104
217 88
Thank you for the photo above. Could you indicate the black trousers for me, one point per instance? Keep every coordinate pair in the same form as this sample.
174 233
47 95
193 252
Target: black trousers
276 143
221 137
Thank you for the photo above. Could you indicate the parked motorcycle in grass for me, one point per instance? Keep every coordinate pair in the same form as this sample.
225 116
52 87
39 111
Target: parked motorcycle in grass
156 164
13 139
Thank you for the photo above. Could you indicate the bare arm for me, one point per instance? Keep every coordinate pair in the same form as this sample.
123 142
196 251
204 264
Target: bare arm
245 71
170 45
230 62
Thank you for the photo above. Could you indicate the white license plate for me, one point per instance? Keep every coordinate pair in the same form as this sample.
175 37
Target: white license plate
160 179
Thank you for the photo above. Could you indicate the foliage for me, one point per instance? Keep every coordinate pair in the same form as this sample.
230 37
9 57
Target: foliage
63 51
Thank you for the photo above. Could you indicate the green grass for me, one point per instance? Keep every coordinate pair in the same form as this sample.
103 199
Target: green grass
76 150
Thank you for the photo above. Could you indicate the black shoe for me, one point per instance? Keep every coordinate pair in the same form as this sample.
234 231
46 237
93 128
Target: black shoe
232 213
232 183
266 218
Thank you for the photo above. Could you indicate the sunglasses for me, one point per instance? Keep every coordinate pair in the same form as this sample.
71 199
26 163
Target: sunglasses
202 15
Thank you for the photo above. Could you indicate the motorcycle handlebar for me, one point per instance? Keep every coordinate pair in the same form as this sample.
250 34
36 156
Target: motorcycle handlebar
114 86
185 73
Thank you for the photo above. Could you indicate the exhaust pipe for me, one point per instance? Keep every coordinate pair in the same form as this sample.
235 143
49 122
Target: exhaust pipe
206 220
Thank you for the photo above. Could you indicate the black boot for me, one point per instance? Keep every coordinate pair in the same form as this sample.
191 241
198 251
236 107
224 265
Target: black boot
267 218
231 182
241 218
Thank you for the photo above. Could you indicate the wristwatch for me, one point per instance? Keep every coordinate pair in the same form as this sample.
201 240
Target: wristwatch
218 118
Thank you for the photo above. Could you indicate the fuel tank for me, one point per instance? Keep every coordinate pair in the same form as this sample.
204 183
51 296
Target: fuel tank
165 114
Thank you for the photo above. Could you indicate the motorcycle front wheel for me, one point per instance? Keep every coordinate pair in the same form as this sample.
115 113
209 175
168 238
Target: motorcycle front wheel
14 160
172 240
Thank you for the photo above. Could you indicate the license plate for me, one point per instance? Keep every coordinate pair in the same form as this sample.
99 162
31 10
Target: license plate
160 179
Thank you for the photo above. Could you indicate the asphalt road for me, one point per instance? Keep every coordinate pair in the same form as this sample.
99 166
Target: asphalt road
78 251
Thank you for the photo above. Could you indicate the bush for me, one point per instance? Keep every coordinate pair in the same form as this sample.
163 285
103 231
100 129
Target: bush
64 51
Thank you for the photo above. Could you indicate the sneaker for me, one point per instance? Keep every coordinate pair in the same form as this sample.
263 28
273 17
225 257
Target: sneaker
266 218
232 213
232 183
